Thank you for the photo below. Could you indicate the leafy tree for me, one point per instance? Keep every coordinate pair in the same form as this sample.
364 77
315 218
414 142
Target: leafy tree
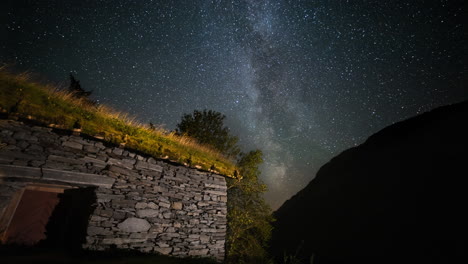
249 217
207 127
76 90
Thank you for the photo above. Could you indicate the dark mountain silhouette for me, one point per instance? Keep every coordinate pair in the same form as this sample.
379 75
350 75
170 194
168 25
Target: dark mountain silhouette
400 197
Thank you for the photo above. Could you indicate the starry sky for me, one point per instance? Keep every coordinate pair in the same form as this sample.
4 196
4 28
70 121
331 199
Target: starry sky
301 80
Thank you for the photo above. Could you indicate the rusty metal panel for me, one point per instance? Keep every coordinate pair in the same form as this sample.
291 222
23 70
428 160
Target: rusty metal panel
29 222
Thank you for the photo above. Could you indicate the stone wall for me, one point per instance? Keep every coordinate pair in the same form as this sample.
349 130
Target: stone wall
142 203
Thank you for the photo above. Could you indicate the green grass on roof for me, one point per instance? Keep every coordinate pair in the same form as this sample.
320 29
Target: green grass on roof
58 108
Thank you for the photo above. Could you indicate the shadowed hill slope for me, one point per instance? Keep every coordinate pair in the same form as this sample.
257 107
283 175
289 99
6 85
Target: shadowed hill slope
400 197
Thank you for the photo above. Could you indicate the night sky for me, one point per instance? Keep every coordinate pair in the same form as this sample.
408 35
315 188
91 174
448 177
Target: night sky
301 80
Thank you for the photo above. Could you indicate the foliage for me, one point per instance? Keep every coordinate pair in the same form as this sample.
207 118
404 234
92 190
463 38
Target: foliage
207 127
249 217
61 109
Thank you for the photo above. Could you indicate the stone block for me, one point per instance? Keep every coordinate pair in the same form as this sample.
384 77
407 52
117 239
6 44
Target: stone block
164 251
164 204
125 163
73 145
141 205
65 160
117 151
94 161
91 149
124 203
204 239
119 215
20 155
159 189
167 215
106 213
132 225
216 186
148 166
177 205
153 205
147 213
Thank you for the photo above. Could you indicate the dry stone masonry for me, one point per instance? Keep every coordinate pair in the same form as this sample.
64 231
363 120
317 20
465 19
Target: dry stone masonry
141 203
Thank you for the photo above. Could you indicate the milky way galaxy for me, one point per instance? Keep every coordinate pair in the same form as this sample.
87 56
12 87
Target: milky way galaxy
301 80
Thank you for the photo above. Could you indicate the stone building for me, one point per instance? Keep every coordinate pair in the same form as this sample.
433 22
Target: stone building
74 191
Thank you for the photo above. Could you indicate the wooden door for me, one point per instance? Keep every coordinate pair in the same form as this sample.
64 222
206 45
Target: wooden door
28 224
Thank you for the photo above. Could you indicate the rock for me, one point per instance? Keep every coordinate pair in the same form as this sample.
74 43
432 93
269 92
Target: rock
165 205
153 205
141 205
164 251
167 215
133 224
177 205
73 145
119 215
147 213
117 151
91 149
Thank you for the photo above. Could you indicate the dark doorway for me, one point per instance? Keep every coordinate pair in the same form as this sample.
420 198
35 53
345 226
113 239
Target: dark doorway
68 223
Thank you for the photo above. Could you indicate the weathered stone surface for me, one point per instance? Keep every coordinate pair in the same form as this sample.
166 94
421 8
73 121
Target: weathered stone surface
125 163
72 144
153 205
141 205
177 205
65 160
164 204
164 251
147 213
148 166
117 151
134 225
